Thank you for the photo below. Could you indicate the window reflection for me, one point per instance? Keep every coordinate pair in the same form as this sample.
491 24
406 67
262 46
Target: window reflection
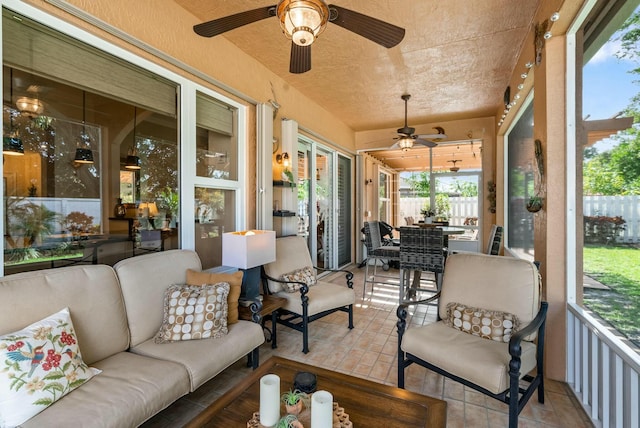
59 211
215 214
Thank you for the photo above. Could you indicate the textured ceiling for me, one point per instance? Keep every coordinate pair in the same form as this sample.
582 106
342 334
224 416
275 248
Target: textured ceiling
455 60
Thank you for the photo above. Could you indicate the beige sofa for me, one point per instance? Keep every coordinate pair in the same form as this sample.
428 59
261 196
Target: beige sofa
116 313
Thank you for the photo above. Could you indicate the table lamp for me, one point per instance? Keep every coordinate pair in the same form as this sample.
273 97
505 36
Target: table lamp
248 251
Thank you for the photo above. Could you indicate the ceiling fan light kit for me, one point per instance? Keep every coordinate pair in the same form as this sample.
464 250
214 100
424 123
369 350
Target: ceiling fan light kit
303 20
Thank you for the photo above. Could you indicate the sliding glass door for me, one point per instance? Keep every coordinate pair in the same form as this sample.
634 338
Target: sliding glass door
324 203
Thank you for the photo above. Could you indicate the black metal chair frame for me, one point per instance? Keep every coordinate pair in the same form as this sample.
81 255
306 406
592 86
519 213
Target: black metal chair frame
300 322
515 396
495 240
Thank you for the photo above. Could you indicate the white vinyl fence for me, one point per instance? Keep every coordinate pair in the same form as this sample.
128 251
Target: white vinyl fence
461 208
627 207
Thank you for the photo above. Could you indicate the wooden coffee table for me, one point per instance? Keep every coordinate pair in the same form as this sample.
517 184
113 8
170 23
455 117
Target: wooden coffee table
368 404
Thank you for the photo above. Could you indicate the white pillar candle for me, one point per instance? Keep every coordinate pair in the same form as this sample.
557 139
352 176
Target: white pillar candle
269 400
322 409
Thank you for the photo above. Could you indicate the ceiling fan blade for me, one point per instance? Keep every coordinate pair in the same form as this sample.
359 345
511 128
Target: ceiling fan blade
222 25
427 143
300 59
432 136
395 146
380 32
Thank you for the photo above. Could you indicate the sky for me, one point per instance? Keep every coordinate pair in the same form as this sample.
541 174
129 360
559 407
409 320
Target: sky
608 86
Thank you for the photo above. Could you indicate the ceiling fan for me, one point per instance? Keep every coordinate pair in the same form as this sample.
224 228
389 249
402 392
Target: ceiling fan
303 21
407 139
454 168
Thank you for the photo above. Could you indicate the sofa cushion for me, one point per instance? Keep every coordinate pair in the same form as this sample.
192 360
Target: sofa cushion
306 274
234 280
492 325
449 349
42 363
91 293
130 390
194 312
144 280
203 359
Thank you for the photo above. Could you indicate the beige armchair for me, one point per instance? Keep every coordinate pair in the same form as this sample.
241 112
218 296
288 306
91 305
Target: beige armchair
489 334
294 277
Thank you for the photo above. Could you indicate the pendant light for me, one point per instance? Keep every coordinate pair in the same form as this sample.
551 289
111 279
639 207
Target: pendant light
83 151
11 143
133 161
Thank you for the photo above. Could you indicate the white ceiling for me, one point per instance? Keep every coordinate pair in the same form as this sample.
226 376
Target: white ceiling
455 60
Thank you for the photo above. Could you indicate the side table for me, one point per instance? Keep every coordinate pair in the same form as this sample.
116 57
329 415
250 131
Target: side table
270 306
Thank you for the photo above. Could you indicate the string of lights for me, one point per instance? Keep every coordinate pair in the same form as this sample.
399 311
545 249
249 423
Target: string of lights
542 33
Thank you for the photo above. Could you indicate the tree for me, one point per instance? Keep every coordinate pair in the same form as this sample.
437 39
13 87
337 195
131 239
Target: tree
419 183
466 188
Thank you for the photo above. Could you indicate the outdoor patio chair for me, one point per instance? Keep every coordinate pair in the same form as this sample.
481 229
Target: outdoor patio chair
421 250
377 251
309 298
495 240
489 335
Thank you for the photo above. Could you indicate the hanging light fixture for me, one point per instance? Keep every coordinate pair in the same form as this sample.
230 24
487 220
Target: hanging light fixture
303 20
405 143
133 161
83 151
454 168
30 106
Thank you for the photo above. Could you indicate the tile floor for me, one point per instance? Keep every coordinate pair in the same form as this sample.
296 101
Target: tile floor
369 351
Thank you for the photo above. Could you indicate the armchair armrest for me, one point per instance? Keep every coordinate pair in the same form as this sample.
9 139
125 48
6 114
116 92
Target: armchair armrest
537 323
348 274
304 288
402 313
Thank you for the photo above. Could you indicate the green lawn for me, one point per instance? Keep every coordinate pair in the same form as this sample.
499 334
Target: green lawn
619 269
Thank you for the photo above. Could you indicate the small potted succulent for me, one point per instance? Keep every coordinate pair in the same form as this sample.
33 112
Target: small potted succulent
294 400
289 421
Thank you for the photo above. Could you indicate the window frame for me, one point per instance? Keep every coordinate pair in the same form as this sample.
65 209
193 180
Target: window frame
186 121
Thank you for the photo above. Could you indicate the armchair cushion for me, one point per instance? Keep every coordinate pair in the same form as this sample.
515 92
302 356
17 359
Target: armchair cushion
501 283
306 275
450 349
291 254
487 324
322 297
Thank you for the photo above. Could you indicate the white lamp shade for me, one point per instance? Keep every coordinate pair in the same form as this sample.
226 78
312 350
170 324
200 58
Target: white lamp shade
249 248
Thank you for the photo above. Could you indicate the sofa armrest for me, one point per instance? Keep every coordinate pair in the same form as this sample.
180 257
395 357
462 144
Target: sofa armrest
256 308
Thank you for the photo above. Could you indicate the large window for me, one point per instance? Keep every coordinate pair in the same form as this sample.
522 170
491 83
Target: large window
91 152
520 185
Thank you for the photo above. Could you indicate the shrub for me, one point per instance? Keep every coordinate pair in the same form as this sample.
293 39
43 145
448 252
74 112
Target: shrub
602 229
